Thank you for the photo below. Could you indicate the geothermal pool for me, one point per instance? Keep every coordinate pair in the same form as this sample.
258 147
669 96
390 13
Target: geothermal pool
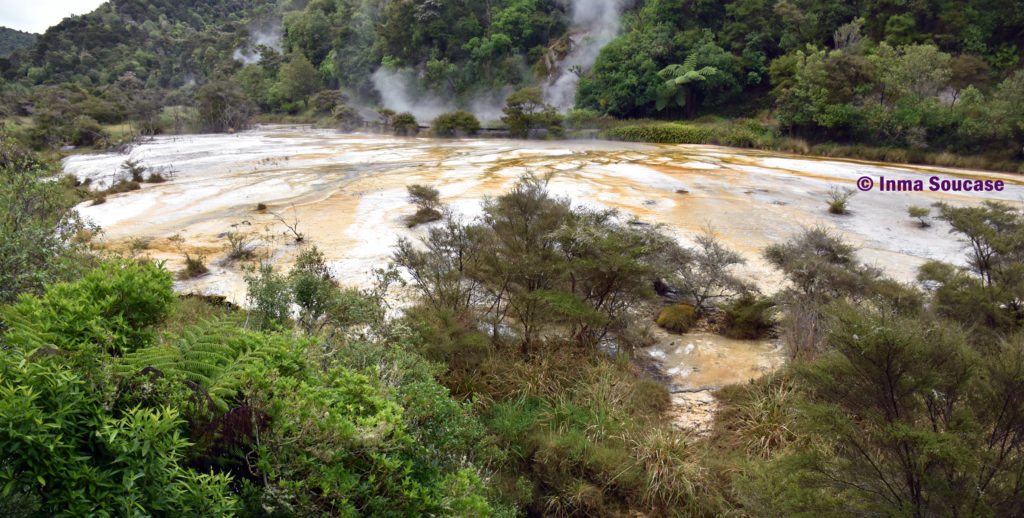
348 194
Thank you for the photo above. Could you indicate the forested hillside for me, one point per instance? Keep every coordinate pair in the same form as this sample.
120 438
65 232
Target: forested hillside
164 43
12 40
923 76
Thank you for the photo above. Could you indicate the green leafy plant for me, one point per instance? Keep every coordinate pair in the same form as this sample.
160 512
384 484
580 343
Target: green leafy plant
113 308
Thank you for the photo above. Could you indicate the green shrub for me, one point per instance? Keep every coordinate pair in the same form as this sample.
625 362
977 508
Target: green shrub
113 307
839 200
453 124
526 111
427 200
405 125
195 266
269 297
423 216
324 101
665 133
921 214
367 461
60 442
347 118
677 318
749 317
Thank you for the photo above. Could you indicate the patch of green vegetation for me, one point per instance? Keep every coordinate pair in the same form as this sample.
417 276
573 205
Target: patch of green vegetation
460 123
677 318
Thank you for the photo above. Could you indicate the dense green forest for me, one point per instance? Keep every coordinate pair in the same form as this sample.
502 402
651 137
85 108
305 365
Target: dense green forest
933 79
508 384
12 40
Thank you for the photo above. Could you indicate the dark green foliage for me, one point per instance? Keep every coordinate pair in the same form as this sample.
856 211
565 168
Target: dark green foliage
890 447
535 263
749 317
324 102
423 216
39 231
13 39
668 133
405 125
820 268
525 112
297 79
60 443
821 265
223 107
217 357
164 43
112 307
269 298
214 414
460 123
347 118
921 214
985 293
428 205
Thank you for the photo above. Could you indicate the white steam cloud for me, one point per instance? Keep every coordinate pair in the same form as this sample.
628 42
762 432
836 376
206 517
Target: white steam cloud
595 23
399 91
269 36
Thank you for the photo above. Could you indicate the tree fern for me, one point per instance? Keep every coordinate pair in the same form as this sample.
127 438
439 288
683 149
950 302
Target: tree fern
217 356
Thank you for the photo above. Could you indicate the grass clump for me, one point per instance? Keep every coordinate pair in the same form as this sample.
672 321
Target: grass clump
195 266
839 200
758 419
677 318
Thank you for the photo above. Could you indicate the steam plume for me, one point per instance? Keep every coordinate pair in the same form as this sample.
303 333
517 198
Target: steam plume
595 23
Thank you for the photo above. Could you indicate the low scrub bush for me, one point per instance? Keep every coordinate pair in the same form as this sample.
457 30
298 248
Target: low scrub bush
665 133
839 200
423 216
749 317
677 318
195 266
452 124
405 125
